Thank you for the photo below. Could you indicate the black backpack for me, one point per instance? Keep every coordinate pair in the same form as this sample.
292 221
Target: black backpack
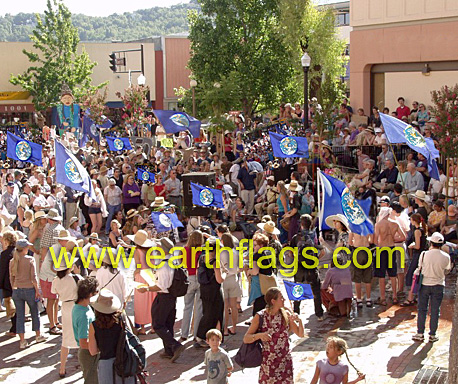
130 354
180 282
204 275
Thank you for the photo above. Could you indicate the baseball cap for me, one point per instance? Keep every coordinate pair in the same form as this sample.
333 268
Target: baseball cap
436 238
385 199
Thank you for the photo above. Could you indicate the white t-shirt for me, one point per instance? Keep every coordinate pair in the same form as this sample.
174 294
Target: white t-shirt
118 285
433 265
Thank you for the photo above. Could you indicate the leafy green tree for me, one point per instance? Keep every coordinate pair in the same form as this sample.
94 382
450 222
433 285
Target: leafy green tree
241 39
308 27
55 59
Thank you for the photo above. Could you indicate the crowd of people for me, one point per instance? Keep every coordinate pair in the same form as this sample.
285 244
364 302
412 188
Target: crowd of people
269 200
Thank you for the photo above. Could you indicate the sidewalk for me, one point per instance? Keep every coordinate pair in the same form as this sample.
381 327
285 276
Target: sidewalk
379 340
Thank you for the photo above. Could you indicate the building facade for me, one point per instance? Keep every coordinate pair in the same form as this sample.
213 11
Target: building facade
401 48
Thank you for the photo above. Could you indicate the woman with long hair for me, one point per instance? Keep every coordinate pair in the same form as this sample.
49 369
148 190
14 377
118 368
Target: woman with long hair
132 223
65 285
36 233
230 261
416 241
104 334
115 236
239 146
9 243
272 327
192 298
283 207
24 281
295 206
96 209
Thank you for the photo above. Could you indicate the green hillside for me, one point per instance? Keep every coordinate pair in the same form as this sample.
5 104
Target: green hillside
127 26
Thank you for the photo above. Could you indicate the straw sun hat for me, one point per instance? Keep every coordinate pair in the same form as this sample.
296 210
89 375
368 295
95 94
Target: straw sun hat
106 302
339 217
141 239
269 227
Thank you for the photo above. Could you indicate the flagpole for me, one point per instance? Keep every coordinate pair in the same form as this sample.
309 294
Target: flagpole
319 199
397 165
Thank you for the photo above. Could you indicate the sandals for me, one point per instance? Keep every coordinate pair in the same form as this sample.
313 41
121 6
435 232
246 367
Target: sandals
395 301
369 303
379 301
359 303
231 332
408 303
433 338
54 331
418 337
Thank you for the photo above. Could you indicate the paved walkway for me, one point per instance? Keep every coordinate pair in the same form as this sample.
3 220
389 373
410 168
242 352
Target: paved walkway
379 339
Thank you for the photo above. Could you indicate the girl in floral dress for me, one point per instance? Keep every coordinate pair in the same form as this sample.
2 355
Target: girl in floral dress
277 322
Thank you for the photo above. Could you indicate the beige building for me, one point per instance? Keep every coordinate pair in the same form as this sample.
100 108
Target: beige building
401 48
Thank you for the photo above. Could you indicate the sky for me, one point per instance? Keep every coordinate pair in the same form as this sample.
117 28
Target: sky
97 7
87 7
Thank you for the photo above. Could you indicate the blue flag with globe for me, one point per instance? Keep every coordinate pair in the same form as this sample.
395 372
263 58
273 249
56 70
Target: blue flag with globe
23 150
337 199
91 129
289 146
398 132
175 121
145 176
70 172
298 291
206 197
118 143
165 221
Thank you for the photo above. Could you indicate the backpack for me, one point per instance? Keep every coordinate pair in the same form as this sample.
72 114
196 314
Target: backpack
180 282
130 354
203 277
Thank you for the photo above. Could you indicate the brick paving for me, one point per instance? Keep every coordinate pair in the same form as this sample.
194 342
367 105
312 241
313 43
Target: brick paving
379 339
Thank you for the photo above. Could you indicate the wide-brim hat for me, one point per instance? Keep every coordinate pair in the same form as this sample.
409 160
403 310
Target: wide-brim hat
269 227
103 169
159 202
63 264
64 235
53 214
107 258
166 244
420 195
94 236
294 186
8 218
141 239
339 217
39 215
73 220
106 302
131 213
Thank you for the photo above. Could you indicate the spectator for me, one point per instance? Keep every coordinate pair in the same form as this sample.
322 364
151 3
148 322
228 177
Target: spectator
403 110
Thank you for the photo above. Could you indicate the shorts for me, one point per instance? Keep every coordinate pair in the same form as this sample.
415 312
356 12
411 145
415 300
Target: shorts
381 271
46 290
231 287
93 211
358 274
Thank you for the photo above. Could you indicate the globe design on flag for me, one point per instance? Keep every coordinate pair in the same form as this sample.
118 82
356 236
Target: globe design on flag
165 221
414 137
180 119
206 196
94 130
297 291
145 176
352 210
118 144
288 146
23 150
72 173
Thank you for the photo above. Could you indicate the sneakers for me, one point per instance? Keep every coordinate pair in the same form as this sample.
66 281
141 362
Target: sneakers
433 338
418 337
40 339
23 344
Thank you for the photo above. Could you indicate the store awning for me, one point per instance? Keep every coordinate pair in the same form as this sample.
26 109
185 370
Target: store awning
14 95
16 108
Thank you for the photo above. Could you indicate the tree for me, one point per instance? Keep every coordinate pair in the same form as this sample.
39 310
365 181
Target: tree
241 39
55 59
308 27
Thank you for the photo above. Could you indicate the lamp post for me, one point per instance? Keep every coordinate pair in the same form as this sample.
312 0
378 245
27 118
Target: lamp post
193 85
305 61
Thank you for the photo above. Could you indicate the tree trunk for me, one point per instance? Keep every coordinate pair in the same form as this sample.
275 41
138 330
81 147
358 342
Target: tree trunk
453 360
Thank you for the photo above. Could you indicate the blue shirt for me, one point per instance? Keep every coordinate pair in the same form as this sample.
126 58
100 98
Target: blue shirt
247 179
81 318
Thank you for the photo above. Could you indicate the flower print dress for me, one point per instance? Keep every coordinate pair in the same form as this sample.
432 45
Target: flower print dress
277 363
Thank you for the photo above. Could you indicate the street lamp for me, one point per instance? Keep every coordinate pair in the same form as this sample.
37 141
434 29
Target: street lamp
193 85
141 80
305 61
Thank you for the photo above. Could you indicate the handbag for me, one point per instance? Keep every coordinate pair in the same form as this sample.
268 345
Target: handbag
250 355
418 278
285 223
266 282
10 307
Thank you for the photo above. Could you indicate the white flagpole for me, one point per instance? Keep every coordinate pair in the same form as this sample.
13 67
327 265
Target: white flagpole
320 212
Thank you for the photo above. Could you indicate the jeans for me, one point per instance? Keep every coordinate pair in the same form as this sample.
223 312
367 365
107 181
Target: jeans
112 209
20 297
105 373
429 295
163 313
191 299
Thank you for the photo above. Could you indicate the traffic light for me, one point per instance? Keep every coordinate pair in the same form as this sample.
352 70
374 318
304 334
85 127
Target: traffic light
113 63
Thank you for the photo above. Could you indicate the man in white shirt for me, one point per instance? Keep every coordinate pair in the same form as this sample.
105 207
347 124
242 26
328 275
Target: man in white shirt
436 186
163 310
113 198
434 264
